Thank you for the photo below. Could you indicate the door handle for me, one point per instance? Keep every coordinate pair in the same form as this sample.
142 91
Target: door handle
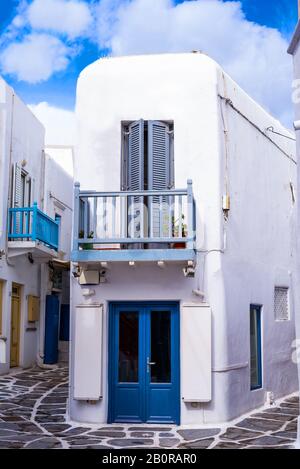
149 364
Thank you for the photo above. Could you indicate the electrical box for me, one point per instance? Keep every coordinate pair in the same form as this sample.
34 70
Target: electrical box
33 308
89 277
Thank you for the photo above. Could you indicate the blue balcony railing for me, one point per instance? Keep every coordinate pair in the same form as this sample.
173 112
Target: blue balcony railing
134 225
31 224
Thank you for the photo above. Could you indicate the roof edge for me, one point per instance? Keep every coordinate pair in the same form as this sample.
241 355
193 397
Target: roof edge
295 40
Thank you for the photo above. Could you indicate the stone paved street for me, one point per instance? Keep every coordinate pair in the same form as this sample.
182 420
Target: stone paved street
33 408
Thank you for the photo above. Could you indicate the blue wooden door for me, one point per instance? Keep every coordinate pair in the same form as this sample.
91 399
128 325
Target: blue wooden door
51 329
144 363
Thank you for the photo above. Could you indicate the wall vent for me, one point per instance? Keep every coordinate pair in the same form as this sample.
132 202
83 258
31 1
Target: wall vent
281 304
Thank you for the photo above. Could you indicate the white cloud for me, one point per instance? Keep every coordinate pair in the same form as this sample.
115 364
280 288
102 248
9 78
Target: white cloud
255 56
35 58
70 17
60 124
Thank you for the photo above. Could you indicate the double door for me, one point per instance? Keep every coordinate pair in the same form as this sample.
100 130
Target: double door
144 363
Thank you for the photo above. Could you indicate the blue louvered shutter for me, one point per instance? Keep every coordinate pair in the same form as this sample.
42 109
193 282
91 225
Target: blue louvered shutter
136 156
159 177
18 197
158 155
18 189
135 176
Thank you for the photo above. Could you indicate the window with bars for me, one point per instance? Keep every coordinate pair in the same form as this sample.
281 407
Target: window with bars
281 304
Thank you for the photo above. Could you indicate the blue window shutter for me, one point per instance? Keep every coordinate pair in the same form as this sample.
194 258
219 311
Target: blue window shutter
135 177
17 196
158 155
159 177
136 156
17 187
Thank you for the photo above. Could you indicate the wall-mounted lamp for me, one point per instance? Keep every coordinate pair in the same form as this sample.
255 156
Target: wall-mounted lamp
297 125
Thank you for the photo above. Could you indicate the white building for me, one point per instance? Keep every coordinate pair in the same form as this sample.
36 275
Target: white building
35 216
172 323
294 50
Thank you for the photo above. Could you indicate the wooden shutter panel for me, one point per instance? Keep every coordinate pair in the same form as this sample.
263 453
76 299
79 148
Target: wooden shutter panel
17 196
158 155
17 186
136 156
135 177
159 176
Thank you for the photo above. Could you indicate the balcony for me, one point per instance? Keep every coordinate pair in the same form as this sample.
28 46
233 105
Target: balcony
134 226
32 231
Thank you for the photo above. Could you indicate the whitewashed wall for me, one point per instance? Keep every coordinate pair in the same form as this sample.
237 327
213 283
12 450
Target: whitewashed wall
243 258
294 50
21 139
58 193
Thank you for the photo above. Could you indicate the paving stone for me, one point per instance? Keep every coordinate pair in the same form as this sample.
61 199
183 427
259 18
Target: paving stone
289 405
268 441
200 444
196 434
142 434
293 400
11 444
274 416
259 424
91 447
51 419
228 445
291 427
270 447
57 428
73 432
284 411
127 442
54 400
6 405
13 418
84 441
168 442
238 434
23 437
45 443
111 428
19 394
109 434
286 434
149 429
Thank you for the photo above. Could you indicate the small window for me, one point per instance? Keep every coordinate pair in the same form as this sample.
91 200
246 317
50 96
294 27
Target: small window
255 348
281 304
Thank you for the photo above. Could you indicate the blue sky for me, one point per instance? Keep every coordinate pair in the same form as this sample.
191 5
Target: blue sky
114 30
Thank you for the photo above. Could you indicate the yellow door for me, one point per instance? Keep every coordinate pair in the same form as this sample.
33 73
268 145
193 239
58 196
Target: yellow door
15 325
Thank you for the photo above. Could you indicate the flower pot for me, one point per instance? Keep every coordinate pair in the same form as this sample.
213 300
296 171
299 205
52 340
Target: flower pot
178 246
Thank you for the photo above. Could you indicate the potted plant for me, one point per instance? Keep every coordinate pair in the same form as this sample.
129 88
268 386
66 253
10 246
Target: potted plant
86 246
176 234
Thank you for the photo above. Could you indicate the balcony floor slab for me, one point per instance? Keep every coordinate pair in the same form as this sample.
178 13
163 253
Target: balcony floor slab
38 250
134 255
